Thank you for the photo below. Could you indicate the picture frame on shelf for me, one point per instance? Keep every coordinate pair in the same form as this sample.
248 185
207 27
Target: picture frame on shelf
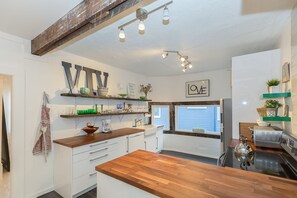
132 90
286 73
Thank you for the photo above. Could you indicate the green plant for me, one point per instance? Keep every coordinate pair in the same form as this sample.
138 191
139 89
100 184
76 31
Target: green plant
272 104
273 82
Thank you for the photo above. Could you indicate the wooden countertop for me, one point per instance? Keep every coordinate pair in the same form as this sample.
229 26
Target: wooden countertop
97 137
167 176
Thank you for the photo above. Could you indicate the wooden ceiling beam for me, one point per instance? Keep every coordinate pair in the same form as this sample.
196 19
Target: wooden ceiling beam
86 18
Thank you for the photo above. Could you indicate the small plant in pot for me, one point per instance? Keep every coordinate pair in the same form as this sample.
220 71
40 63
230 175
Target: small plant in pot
272 107
273 86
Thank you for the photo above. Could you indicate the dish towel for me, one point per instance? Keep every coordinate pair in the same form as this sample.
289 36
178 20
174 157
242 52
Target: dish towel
43 143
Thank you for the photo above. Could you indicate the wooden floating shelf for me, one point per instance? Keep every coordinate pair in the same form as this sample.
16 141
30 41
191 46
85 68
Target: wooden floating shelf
98 115
103 97
277 119
277 95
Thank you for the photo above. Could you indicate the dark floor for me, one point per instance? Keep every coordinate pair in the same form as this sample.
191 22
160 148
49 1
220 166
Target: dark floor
93 193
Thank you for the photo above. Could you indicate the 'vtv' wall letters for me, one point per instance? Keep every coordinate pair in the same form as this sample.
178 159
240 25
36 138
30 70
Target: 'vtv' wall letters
89 76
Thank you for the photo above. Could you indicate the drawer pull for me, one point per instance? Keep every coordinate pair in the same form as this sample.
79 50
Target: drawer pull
98 157
92 145
136 135
92 174
97 151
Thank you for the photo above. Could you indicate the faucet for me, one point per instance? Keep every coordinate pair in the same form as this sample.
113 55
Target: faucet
137 122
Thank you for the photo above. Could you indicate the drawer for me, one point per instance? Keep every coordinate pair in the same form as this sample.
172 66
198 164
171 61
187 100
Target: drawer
82 183
96 145
94 153
84 166
88 165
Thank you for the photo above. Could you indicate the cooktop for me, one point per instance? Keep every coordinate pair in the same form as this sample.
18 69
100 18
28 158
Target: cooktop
270 163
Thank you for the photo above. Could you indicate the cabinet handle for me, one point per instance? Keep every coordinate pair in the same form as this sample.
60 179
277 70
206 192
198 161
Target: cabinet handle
92 174
157 143
97 151
127 144
92 145
145 145
96 158
136 135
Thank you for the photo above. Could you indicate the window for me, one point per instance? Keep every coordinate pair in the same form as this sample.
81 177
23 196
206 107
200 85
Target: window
161 116
197 118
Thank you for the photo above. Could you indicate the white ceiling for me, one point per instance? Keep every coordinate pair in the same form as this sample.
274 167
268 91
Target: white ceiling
210 32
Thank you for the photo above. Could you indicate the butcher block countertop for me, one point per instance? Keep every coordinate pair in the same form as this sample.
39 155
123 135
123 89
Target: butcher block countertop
167 176
77 141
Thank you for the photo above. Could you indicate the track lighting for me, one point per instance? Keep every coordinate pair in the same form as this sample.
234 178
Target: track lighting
122 34
141 15
141 26
185 63
166 15
164 54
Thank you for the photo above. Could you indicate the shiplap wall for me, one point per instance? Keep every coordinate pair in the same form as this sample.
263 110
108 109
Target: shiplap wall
294 69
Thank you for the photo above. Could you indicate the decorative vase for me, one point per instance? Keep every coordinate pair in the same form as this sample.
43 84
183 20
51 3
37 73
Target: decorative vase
274 89
272 112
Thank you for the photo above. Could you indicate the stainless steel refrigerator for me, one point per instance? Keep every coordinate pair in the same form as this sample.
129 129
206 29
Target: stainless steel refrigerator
226 123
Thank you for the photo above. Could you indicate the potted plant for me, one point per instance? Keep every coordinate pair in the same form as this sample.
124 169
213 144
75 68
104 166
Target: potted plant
272 107
145 89
273 86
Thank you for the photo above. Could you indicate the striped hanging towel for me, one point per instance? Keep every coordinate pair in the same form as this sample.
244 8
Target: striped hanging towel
43 143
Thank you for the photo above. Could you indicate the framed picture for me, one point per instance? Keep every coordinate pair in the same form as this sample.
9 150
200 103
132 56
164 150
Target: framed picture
198 88
286 73
132 90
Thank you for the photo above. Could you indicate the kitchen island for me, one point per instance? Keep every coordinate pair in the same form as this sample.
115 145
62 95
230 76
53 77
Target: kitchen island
146 175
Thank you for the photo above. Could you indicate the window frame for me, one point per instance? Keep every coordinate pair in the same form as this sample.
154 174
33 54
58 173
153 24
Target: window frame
191 106
161 106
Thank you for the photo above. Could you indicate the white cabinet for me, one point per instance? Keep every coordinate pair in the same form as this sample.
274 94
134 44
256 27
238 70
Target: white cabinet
135 142
159 139
74 168
151 143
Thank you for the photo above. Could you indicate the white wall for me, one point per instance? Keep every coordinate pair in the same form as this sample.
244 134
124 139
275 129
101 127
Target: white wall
11 63
172 88
294 70
249 76
207 147
31 76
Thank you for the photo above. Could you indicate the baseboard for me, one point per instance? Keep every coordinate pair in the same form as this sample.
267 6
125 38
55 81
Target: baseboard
42 192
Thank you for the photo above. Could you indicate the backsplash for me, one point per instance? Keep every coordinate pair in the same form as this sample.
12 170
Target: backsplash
294 69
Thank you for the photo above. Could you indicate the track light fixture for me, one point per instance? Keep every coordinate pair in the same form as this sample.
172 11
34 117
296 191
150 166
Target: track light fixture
122 34
184 60
141 15
164 54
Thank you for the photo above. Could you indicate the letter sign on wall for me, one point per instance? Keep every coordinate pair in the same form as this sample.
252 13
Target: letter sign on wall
198 88
89 76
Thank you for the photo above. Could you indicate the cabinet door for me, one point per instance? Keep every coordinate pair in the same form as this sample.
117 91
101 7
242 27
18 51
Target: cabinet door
150 143
135 142
159 139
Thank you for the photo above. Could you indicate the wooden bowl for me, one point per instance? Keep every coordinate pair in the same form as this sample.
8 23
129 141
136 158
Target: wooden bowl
90 130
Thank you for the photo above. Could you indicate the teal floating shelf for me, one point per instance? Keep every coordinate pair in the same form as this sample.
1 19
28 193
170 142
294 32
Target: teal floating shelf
277 119
277 95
